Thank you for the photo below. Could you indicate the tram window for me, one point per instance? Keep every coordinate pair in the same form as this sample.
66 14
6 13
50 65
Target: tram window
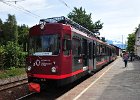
76 47
66 44
106 50
90 50
98 49
44 45
103 49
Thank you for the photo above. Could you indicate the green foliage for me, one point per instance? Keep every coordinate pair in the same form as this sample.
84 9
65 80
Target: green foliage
1 23
80 16
14 57
103 39
23 31
12 50
14 40
11 55
21 57
1 50
9 28
11 72
98 25
131 42
2 56
1 31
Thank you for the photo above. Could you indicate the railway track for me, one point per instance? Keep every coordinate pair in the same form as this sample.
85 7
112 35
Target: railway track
13 90
13 84
23 97
52 93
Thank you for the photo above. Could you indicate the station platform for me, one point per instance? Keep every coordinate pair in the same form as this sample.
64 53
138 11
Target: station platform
116 83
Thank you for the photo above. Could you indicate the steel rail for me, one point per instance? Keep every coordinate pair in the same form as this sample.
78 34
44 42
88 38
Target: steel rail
13 84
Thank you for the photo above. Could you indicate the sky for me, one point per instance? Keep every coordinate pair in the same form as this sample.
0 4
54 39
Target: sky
120 17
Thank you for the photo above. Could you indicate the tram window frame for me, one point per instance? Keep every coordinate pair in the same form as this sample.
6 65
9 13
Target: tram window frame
105 50
98 49
76 46
90 50
101 50
66 42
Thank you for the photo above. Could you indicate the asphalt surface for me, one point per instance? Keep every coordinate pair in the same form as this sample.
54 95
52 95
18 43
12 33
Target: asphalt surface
117 83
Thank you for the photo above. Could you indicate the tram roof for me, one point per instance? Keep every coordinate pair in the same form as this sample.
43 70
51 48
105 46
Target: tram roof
65 20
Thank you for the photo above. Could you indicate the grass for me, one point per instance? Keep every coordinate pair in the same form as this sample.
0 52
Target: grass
11 72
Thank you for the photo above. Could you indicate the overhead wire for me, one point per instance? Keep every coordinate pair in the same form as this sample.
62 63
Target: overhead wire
25 10
29 11
20 8
65 4
15 1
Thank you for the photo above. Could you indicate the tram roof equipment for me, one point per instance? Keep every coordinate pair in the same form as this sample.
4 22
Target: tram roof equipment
65 20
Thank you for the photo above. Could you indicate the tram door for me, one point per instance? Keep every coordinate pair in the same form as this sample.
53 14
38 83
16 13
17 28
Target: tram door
90 55
85 52
94 54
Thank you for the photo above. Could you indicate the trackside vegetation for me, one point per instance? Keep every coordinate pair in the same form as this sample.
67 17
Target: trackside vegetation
11 72
13 47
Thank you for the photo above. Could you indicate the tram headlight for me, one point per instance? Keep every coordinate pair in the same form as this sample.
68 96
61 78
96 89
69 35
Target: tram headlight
29 68
42 26
53 69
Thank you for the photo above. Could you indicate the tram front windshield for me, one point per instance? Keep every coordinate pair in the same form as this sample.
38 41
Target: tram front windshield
44 45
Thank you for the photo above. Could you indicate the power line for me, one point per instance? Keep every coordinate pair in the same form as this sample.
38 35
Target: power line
65 4
29 11
20 8
15 1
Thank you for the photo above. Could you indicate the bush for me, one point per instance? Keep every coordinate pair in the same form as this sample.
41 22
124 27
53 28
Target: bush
12 52
21 57
11 56
2 56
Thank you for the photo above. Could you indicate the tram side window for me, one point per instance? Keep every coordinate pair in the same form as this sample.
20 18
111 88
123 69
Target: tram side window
90 50
98 49
76 47
66 44
107 51
103 50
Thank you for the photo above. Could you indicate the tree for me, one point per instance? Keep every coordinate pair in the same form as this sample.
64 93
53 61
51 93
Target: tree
12 38
98 25
1 23
10 32
23 31
1 31
80 16
131 42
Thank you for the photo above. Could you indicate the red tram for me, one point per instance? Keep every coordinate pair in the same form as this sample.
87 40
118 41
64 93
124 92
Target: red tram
62 51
